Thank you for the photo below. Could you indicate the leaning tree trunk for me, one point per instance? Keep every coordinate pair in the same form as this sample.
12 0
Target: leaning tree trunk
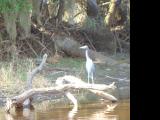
92 8
111 12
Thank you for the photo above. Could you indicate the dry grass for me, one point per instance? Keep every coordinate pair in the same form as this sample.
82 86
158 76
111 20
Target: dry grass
39 81
13 77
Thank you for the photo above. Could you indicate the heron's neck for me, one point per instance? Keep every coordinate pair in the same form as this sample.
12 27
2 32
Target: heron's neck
87 56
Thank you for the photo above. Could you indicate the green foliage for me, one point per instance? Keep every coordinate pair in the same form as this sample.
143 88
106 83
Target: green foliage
90 24
10 23
11 10
54 0
25 21
94 25
73 63
9 6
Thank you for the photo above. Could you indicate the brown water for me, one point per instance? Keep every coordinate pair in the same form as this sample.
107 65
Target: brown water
85 112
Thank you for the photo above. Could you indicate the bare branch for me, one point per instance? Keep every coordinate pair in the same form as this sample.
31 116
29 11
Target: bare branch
35 71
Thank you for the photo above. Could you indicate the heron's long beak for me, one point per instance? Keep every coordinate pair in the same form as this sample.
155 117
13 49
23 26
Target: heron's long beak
83 47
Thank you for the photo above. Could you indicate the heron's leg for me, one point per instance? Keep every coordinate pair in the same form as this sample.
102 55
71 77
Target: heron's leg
88 78
92 78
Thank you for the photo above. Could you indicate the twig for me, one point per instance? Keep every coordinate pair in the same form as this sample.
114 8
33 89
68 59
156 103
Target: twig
106 3
127 37
32 48
44 47
41 29
118 41
114 78
46 21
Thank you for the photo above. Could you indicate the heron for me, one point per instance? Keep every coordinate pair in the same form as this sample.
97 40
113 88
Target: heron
90 67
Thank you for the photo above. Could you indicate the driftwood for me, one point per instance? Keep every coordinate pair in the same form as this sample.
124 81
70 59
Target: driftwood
63 86
30 76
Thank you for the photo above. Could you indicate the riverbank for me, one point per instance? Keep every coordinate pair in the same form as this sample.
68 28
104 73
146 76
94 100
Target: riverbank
13 77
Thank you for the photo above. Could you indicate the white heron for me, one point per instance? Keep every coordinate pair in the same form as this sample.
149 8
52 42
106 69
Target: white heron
90 67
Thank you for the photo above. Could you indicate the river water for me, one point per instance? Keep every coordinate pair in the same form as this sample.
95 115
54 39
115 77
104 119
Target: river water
99 111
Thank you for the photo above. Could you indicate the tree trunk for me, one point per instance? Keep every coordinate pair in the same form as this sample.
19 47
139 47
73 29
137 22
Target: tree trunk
92 8
60 10
111 12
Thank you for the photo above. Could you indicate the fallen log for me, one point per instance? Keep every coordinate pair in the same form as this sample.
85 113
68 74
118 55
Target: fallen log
18 100
63 86
68 79
97 89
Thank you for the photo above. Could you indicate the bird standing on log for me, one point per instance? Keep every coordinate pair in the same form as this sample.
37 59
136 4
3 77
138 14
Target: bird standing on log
90 67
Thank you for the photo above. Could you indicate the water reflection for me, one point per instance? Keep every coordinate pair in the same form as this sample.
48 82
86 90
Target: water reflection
72 113
103 114
19 114
9 116
107 112
110 107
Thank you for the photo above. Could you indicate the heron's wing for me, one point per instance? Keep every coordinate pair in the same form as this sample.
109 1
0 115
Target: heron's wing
93 67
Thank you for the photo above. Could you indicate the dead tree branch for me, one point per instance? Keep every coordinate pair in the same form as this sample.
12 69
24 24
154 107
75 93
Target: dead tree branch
35 71
76 83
